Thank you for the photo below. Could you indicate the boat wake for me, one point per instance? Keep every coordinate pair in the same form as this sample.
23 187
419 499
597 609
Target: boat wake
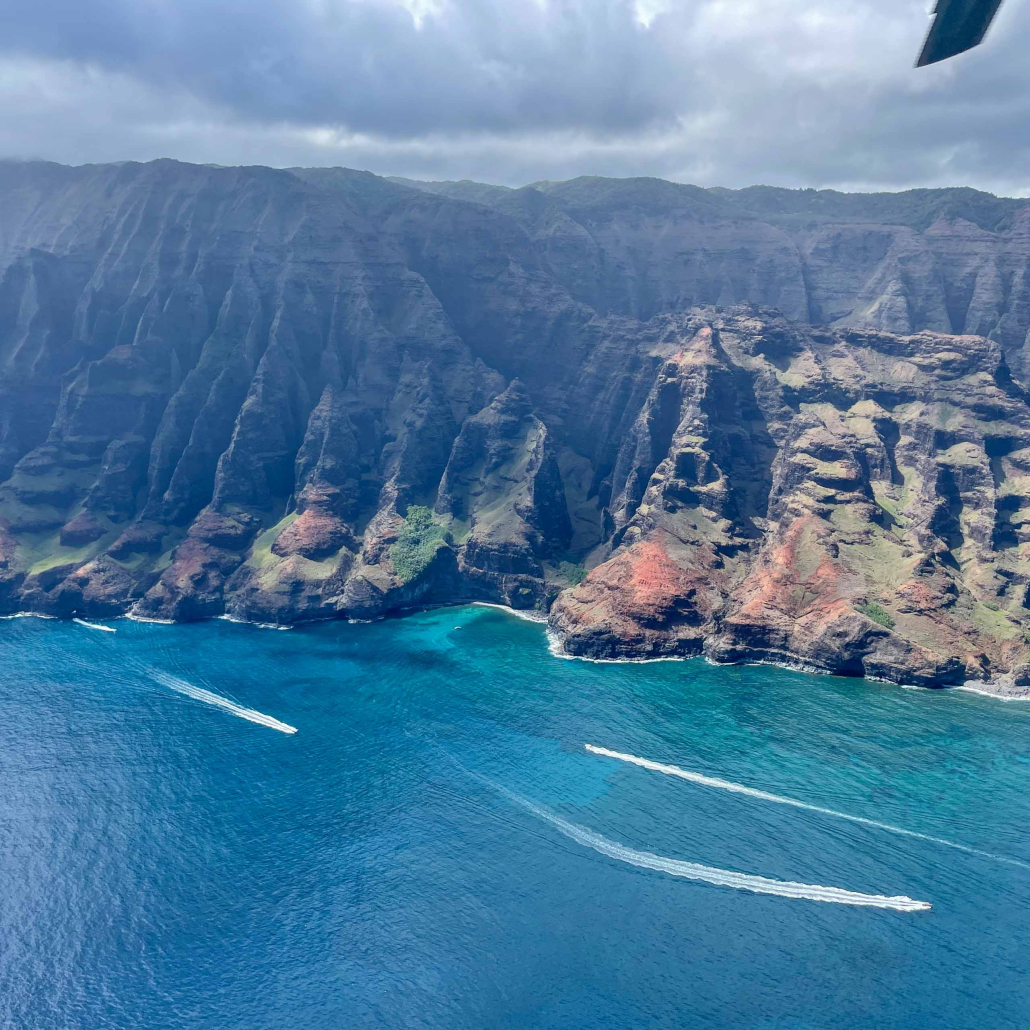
779 799
198 693
95 625
709 874
695 871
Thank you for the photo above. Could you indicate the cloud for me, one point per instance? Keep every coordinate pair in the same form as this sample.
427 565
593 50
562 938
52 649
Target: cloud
731 92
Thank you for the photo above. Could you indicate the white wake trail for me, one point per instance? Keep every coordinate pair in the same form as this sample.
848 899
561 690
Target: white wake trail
779 799
693 870
95 625
709 874
168 680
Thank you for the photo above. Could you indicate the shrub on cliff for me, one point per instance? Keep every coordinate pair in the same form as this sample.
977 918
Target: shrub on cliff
417 542
574 574
871 610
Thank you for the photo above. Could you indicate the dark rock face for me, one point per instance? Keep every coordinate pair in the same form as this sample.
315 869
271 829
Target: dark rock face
222 391
860 521
503 483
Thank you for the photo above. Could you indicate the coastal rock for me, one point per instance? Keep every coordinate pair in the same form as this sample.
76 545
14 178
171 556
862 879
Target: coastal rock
314 534
83 529
287 590
99 588
761 425
139 538
502 491
650 600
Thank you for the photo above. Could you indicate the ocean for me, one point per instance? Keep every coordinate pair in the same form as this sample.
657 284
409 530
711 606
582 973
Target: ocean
434 822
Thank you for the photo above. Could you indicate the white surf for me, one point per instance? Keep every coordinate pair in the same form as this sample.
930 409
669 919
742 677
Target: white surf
779 799
992 693
208 697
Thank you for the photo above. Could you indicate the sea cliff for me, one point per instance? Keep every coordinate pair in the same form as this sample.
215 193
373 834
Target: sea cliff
758 425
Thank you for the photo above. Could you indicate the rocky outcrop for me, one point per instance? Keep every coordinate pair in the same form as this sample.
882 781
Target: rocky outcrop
879 539
291 395
502 491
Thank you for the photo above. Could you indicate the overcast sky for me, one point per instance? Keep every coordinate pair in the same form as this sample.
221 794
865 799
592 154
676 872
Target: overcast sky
715 92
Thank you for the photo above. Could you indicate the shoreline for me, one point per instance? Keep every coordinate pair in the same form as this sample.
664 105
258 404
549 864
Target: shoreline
976 688
554 647
225 617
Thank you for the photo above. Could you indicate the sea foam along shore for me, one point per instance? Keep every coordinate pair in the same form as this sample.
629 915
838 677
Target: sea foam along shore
1000 691
554 646
527 615
1001 694
247 622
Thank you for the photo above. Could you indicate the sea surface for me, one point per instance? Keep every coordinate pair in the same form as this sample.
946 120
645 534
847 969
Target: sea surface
436 847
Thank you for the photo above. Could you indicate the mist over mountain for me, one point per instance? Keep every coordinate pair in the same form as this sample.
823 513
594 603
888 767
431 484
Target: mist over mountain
760 424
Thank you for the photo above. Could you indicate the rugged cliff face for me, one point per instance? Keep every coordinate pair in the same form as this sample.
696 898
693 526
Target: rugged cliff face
285 395
846 497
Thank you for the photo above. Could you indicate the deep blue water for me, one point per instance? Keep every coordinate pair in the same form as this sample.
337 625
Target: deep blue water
166 864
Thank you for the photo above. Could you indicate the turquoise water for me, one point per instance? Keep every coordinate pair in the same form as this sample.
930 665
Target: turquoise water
435 848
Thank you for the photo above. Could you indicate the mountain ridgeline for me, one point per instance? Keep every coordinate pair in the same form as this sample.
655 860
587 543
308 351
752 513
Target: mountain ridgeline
762 425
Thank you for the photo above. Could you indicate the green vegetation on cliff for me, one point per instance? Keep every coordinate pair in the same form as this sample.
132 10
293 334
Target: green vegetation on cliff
879 615
417 542
573 574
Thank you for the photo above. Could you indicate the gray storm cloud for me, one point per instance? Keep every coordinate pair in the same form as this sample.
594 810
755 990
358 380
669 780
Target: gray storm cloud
732 92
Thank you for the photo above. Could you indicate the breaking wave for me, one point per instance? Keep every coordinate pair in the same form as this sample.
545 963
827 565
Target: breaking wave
779 799
198 693
519 613
992 693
